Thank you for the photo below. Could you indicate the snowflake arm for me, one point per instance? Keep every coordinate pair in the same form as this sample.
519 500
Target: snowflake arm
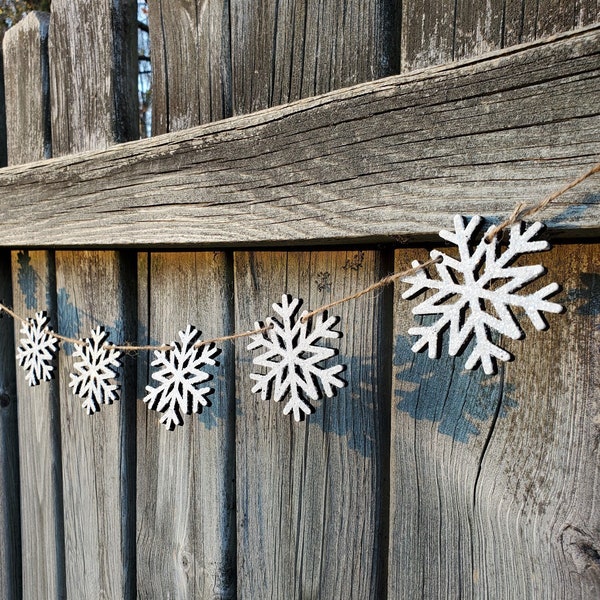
92 380
292 356
38 349
467 287
178 378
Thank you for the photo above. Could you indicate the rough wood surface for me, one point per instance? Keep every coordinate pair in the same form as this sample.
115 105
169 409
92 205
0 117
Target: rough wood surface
3 159
312 497
435 32
93 67
92 54
284 51
186 478
494 479
395 158
10 527
191 63
34 289
27 89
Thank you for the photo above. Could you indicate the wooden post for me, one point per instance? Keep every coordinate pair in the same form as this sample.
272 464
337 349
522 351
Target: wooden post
93 72
28 116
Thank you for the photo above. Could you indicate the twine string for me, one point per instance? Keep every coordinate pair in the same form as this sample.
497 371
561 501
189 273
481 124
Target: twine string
519 213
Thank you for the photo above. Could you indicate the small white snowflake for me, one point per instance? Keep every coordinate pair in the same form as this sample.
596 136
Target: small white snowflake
484 285
38 349
292 356
178 377
92 382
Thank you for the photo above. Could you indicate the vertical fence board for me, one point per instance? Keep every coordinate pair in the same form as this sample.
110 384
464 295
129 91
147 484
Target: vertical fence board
93 73
493 477
28 117
312 495
3 158
283 51
186 490
194 89
10 532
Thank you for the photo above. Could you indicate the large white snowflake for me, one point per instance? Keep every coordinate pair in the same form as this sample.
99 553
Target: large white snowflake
95 371
38 349
291 358
483 286
178 378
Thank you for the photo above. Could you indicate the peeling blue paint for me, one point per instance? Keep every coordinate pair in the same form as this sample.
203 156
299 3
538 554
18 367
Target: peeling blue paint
27 280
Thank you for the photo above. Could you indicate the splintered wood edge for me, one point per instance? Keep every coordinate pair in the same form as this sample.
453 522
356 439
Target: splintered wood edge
388 161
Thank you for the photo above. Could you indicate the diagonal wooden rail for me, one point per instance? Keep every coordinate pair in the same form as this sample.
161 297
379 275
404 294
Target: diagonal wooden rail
391 160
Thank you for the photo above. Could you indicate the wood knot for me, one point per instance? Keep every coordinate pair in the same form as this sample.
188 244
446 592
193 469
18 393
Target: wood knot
4 400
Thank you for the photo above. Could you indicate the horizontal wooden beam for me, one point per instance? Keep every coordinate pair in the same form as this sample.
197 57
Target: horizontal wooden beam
391 160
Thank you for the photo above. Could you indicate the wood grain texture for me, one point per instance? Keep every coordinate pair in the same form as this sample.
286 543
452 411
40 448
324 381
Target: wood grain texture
93 68
191 63
186 478
10 528
92 60
34 285
284 51
3 159
494 479
435 32
390 160
27 89
95 288
311 496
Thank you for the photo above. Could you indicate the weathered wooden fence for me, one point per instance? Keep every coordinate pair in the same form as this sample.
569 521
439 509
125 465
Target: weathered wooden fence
419 479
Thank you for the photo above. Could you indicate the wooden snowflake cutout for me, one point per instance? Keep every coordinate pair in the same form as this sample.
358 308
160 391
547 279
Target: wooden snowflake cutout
38 349
475 293
178 378
95 371
292 358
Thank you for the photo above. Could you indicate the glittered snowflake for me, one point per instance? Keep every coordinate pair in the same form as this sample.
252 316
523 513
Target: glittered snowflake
292 358
475 293
94 373
179 374
38 349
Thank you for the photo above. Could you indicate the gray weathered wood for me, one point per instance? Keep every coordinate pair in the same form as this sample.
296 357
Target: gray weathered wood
27 89
312 496
92 62
284 51
3 159
435 32
191 63
85 113
28 117
186 478
10 530
381 160
493 491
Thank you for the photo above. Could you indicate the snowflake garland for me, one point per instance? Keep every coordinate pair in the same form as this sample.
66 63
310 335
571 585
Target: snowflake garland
38 349
481 279
178 378
291 358
94 372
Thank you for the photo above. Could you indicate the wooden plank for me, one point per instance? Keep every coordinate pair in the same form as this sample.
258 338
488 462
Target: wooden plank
186 478
10 530
84 111
307 490
284 51
191 63
360 163
478 27
34 285
93 73
494 477
3 158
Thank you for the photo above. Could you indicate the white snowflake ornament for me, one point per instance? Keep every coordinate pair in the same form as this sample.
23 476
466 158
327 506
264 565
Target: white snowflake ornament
95 371
178 378
483 287
38 349
292 358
